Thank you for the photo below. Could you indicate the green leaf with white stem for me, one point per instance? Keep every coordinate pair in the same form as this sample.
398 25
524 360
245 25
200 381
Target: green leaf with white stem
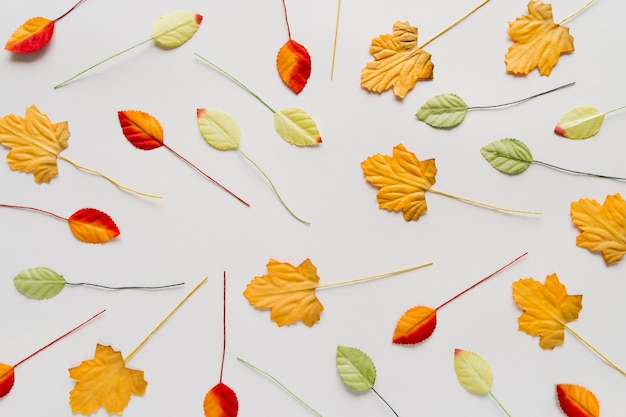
175 28
39 283
473 372
580 122
443 111
510 156
219 129
355 368
296 127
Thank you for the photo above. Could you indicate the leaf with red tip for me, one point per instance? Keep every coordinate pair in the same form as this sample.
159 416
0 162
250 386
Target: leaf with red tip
34 34
7 378
294 65
93 226
141 129
415 325
221 401
577 401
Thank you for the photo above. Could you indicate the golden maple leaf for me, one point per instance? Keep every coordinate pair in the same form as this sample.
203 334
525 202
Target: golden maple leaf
539 42
104 381
603 226
398 62
402 180
35 143
547 309
288 291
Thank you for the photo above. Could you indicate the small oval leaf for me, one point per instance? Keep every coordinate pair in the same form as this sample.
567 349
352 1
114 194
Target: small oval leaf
93 226
39 283
577 401
175 28
472 371
510 156
221 401
297 127
219 129
415 325
141 129
34 34
580 122
355 368
443 111
294 65
7 379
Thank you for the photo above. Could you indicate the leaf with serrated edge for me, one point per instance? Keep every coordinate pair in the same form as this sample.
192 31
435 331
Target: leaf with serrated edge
219 129
175 28
415 325
296 127
221 401
39 283
294 65
7 378
142 130
472 371
580 122
577 401
510 156
93 226
355 368
443 111
34 34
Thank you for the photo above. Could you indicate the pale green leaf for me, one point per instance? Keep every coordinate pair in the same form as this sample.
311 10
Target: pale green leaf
175 28
39 283
580 122
219 129
473 372
443 111
510 156
297 127
355 368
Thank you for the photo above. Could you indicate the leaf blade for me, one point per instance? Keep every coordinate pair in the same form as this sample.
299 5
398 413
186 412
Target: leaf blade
296 127
219 129
355 368
443 111
294 65
31 36
510 156
175 28
221 401
93 226
39 283
7 379
577 401
142 130
580 122
415 325
472 371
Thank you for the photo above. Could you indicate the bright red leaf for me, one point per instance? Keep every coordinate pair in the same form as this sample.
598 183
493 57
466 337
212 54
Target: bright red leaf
221 401
141 129
7 378
294 65
93 226
415 325
34 34
577 401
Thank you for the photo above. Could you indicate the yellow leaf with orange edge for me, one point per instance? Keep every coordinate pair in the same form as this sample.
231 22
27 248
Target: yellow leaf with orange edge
577 401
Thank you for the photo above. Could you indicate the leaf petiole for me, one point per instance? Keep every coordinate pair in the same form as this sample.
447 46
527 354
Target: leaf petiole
499 404
522 100
456 22
387 274
545 164
385 401
579 11
596 351
34 209
106 287
69 11
478 203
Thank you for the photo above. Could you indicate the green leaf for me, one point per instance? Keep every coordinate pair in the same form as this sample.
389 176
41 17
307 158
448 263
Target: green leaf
219 129
355 368
297 127
39 283
580 122
510 156
443 111
175 28
472 371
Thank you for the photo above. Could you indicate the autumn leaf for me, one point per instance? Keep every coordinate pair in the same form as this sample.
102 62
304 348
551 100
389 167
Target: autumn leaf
32 35
7 379
547 308
472 371
294 65
580 122
415 325
577 401
93 226
221 401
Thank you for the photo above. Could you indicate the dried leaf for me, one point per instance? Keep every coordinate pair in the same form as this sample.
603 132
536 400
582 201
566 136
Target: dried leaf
93 226
355 368
39 283
34 34
443 111
221 401
510 156
577 401
415 325
580 122
219 129
296 127
294 65
175 28
7 379
141 129
472 371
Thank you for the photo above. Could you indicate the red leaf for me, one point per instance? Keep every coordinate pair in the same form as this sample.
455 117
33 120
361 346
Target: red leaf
7 378
93 226
221 401
294 65
577 401
415 325
34 34
141 129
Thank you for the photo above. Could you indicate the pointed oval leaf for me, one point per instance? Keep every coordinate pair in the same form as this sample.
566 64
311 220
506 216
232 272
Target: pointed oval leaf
443 111
294 65
472 371
577 401
93 226
297 127
34 34
141 129
415 325
175 28
221 401
219 129
510 156
39 283
355 368
580 122
7 379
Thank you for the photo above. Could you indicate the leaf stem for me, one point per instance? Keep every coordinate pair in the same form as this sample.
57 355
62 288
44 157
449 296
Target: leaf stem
596 351
106 287
489 206
34 209
385 401
287 20
69 11
521 100
578 172
611 111
281 385
332 64
579 11
454 24
499 404
224 331
387 274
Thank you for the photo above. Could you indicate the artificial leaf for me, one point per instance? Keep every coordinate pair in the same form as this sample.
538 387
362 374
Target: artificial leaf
547 308
402 179
603 227
443 111
472 371
294 65
39 283
510 156
104 381
415 325
93 226
296 127
580 122
355 368
221 401
398 62
219 129
577 401
538 41
7 378
141 129
175 28
34 34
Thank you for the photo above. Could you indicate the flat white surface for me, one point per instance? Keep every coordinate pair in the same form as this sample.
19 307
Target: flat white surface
197 230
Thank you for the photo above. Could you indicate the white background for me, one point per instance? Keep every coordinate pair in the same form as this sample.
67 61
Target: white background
197 230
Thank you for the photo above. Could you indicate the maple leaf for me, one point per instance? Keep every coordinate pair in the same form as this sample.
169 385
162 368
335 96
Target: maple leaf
104 381
398 62
538 41
403 180
288 291
603 226
35 143
547 309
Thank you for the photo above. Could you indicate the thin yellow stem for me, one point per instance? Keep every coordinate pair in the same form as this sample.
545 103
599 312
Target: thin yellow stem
579 11
478 203
354 281
332 65
455 23
596 351
143 342
111 180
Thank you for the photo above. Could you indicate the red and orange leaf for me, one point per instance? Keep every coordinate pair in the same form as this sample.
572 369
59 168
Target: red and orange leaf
104 381
221 401
93 226
141 129
7 379
294 65
538 41
577 401
415 325
402 179
34 34
603 227
288 291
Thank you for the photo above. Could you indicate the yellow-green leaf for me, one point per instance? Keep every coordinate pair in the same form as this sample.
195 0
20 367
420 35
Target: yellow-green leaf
297 127
175 28
472 371
219 129
580 122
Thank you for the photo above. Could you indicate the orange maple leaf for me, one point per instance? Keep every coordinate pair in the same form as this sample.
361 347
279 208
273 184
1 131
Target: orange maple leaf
104 381
547 309
402 179
539 42
288 291
398 62
603 226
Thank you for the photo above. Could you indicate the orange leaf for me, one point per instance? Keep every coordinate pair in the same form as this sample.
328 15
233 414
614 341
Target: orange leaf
577 401
603 227
294 65
93 226
415 325
221 401
398 62
288 291
7 379
538 41
104 381
403 180
547 309
141 129
34 34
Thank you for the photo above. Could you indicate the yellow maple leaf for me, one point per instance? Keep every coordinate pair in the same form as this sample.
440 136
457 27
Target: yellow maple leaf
104 381
398 62
35 143
538 41
603 227
547 309
288 291
402 180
